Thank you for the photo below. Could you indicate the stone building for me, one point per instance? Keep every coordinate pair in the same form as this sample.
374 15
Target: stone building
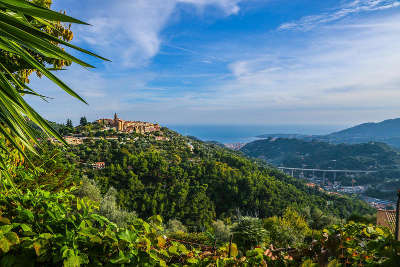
129 126
73 141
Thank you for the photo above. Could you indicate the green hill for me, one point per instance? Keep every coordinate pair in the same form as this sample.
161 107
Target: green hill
322 155
373 156
195 182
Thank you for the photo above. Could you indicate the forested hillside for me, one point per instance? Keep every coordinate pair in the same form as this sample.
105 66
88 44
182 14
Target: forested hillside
317 154
195 182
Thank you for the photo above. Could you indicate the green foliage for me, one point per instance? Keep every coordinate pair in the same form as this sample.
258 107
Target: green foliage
83 121
43 228
110 209
365 219
30 40
222 232
108 206
249 232
374 156
359 244
55 169
290 230
195 239
88 189
317 219
69 124
320 155
58 229
174 226
195 187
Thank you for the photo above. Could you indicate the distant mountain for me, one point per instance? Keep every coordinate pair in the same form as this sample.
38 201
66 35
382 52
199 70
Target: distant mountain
317 154
387 131
288 136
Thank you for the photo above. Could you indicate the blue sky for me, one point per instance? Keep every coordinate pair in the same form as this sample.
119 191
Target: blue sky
234 62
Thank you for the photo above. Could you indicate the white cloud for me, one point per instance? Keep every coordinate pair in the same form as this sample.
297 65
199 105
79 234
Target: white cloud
338 76
351 7
128 32
346 73
229 6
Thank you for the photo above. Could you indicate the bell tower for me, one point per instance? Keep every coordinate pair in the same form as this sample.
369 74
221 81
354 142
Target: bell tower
116 122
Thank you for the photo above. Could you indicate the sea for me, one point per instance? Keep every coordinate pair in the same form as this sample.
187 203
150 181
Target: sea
229 134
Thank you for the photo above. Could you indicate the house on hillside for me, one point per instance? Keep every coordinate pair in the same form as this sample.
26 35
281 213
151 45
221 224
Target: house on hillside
161 138
99 165
72 140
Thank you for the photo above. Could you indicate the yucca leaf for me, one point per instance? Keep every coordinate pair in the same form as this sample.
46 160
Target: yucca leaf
22 36
35 43
26 27
28 8
26 109
36 65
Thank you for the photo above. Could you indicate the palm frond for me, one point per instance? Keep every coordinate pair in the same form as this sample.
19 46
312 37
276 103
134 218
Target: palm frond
21 38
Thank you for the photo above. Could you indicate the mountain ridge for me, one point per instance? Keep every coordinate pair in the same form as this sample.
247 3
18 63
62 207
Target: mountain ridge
386 131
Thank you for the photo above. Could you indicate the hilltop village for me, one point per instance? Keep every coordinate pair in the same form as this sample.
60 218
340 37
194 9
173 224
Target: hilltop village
112 129
128 126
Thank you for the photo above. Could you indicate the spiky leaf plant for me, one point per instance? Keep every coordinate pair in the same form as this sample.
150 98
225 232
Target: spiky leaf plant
31 40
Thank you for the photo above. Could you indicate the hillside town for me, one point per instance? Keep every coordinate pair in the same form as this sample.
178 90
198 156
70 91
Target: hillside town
336 188
114 127
120 125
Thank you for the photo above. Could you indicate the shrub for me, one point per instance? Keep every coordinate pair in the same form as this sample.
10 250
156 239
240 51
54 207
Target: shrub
366 219
319 220
41 228
195 238
222 232
175 225
288 231
357 244
248 232
107 205
110 209
88 188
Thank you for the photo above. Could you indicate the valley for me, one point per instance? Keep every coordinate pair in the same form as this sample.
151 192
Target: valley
370 170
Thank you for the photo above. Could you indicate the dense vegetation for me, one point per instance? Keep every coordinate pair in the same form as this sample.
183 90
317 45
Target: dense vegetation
46 220
378 157
195 182
322 155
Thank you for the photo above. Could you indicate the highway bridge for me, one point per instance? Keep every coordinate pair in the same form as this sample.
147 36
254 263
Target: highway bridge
293 171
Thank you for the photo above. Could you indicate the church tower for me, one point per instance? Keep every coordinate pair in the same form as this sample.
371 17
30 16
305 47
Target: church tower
118 123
